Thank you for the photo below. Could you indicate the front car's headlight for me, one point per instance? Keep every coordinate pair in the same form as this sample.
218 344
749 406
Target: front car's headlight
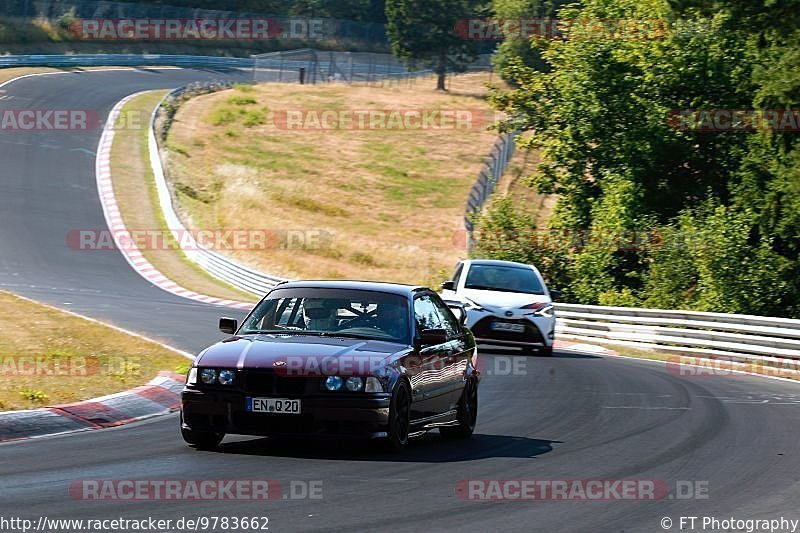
354 384
226 377
208 376
548 311
333 383
373 384
191 379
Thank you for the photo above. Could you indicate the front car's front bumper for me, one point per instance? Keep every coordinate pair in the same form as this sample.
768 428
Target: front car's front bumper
331 415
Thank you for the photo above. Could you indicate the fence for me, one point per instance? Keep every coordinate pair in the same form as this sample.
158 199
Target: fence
348 67
493 169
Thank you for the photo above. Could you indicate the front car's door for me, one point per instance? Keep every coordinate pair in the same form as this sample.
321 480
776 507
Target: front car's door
428 372
459 353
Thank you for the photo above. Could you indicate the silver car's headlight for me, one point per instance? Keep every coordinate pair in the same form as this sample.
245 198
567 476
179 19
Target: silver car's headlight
539 309
472 306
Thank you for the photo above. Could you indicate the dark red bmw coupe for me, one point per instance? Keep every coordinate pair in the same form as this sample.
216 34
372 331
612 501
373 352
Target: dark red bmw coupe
342 359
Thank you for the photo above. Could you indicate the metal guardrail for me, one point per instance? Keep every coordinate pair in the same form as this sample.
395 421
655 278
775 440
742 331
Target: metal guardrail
125 60
737 337
224 268
741 338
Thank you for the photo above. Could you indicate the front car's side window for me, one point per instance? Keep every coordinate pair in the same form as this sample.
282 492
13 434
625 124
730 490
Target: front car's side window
448 320
425 314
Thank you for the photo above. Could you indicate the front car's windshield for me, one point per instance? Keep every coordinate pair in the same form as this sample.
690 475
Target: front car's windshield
331 312
503 278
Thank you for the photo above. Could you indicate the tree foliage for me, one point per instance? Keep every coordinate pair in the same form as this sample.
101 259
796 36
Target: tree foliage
425 33
721 208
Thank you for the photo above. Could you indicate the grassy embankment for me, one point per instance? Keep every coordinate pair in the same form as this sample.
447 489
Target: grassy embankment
52 357
135 191
392 200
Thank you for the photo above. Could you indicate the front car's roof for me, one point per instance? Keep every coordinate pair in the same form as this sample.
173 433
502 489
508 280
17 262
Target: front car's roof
391 288
493 262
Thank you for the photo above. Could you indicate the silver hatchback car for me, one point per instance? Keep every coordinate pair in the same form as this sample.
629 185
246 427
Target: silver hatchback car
507 304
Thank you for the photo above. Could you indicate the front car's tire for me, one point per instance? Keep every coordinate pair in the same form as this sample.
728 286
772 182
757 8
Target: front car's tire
399 418
202 440
546 351
467 413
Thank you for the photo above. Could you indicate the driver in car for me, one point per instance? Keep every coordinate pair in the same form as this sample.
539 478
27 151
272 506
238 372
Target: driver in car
390 319
320 315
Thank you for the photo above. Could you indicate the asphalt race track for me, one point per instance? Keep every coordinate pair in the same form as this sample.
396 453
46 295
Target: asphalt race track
572 417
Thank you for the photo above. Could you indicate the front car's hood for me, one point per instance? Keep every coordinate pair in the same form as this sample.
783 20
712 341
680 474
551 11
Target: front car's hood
263 351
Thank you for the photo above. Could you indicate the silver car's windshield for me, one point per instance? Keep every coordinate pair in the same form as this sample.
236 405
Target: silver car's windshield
503 278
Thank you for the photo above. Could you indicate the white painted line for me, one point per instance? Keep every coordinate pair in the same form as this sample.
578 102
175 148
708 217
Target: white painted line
116 328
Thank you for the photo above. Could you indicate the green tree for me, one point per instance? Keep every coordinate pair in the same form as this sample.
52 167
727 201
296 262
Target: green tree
425 33
516 48
726 204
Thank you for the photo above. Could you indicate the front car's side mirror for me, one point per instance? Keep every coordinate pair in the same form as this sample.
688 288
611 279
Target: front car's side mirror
228 325
432 337
556 294
449 286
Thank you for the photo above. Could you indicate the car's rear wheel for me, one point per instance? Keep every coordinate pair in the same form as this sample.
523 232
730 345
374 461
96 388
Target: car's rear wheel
467 413
399 417
202 440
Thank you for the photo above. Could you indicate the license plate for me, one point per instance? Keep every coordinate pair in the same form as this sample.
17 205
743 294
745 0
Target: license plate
506 326
278 406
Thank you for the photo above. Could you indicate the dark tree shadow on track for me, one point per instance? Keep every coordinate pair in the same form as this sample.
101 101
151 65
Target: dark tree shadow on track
428 449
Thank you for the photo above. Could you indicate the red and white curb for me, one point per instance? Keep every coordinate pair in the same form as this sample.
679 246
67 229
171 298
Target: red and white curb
160 396
126 245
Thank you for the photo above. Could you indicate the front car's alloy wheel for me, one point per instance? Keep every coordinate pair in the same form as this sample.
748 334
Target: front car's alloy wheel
400 417
467 413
